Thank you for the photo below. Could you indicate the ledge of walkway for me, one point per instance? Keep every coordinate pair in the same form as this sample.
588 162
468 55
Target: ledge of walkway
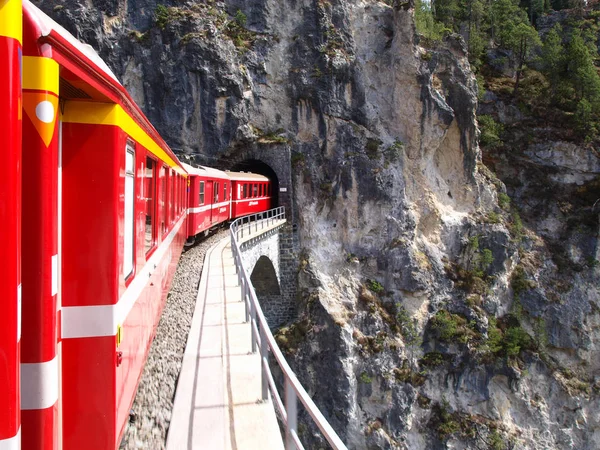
217 403
261 228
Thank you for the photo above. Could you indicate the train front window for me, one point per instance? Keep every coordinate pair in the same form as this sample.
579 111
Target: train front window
129 223
149 193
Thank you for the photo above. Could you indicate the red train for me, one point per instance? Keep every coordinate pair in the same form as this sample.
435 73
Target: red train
215 196
94 212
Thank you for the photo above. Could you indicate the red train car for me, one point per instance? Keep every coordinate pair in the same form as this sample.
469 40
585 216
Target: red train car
104 213
251 193
10 222
209 195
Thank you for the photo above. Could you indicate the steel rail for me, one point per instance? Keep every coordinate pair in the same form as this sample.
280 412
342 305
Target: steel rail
263 340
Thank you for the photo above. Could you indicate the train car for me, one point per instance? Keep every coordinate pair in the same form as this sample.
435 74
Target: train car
209 195
103 227
10 222
251 193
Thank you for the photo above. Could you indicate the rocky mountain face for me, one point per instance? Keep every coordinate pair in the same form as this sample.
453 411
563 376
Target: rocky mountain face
440 305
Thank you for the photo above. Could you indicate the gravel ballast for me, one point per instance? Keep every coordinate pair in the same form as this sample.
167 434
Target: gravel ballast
153 403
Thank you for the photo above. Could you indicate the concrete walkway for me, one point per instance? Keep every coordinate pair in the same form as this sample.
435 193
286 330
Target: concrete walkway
217 403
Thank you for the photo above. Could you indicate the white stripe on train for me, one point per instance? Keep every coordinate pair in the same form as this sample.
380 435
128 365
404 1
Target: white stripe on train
13 443
103 320
39 384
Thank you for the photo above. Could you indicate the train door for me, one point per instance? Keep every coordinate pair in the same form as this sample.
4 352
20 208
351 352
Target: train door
214 217
210 193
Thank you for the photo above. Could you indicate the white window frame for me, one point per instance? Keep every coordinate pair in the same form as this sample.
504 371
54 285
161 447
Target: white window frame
129 212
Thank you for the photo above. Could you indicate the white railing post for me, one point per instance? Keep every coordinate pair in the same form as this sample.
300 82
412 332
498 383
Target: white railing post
245 300
291 409
264 356
253 323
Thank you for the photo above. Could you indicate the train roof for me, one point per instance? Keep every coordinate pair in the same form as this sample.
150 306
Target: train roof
83 64
46 26
246 176
204 171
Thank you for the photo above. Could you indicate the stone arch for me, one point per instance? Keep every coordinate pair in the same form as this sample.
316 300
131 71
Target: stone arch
258 166
264 278
268 291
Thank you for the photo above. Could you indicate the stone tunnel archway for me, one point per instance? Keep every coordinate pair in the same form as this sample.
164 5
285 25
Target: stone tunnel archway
264 278
258 166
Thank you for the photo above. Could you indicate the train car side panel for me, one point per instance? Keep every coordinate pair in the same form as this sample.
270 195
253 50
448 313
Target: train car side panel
10 221
39 362
90 280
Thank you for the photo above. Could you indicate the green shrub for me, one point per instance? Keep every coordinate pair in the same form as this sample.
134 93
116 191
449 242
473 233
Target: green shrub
515 338
426 24
375 286
452 327
503 201
494 341
448 423
486 259
372 148
493 217
407 326
240 18
496 441
519 282
432 359
490 131
365 378
516 225
161 16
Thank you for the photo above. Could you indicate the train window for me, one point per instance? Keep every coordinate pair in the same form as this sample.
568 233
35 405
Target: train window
129 222
260 190
224 191
149 192
163 199
202 192
255 191
216 193
172 195
176 195
245 190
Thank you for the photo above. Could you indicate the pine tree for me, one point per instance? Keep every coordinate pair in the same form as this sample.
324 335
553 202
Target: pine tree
553 59
582 71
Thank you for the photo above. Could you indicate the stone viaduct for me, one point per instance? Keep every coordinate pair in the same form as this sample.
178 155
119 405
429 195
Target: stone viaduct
272 259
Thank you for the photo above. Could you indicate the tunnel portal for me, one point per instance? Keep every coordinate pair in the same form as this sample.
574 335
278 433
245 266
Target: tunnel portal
257 166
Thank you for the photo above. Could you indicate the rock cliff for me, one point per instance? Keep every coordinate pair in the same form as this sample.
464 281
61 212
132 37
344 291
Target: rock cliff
434 311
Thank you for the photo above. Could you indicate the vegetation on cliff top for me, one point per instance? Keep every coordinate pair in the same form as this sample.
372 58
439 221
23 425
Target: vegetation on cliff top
527 53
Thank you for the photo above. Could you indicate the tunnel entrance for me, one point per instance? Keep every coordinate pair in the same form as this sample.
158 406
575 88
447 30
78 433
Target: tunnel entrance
257 166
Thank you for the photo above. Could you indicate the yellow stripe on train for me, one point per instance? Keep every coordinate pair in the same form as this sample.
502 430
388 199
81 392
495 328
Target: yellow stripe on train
11 19
115 115
40 73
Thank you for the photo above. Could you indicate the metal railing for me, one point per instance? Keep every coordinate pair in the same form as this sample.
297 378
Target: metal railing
247 225
263 340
